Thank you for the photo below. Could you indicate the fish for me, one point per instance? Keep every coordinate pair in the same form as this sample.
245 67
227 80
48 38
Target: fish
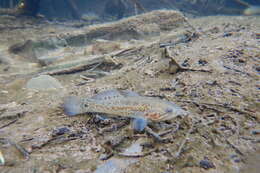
124 103
252 10
2 160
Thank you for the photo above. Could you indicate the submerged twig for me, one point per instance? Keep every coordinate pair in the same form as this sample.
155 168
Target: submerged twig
24 152
170 131
13 115
236 70
60 139
174 67
180 150
76 66
8 124
234 147
234 109
138 155
154 135
114 127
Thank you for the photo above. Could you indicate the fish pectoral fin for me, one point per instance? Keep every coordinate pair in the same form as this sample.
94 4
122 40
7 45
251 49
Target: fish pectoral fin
107 95
139 124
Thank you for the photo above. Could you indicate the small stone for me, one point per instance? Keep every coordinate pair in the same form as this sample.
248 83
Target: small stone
202 62
134 149
227 34
186 63
4 92
255 132
60 131
206 164
43 82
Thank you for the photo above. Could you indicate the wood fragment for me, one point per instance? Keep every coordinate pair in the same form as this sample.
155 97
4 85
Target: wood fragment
115 127
180 150
231 108
253 140
8 124
13 115
174 67
243 3
125 52
138 155
75 66
234 147
170 131
154 135
22 150
108 156
55 140
238 71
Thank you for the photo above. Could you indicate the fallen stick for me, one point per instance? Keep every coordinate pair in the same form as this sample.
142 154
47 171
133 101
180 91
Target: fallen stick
137 155
13 115
180 150
234 109
115 127
153 134
238 71
73 67
234 147
24 152
170 131
8 124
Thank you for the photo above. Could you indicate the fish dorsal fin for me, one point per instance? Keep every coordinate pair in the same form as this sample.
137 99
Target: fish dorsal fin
108 95
128 93
114 94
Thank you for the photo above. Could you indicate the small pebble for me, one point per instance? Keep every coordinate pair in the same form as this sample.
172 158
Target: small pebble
227 34
4 92
202 62
255 132
186 63
237 160
206 164
60 131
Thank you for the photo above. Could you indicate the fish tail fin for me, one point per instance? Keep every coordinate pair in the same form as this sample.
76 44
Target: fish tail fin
72 105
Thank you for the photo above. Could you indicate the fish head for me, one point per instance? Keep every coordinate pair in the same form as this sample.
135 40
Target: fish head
167 111
252 10
175 111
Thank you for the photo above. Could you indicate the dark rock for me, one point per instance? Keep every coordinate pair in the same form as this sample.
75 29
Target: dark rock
60 131
255 132
43 82
202 62
206 164
227 34
186 63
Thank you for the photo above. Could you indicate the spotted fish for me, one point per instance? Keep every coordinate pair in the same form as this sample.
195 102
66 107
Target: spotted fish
124 103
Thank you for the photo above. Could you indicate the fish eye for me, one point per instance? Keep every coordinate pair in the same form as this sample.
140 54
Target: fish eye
86 105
